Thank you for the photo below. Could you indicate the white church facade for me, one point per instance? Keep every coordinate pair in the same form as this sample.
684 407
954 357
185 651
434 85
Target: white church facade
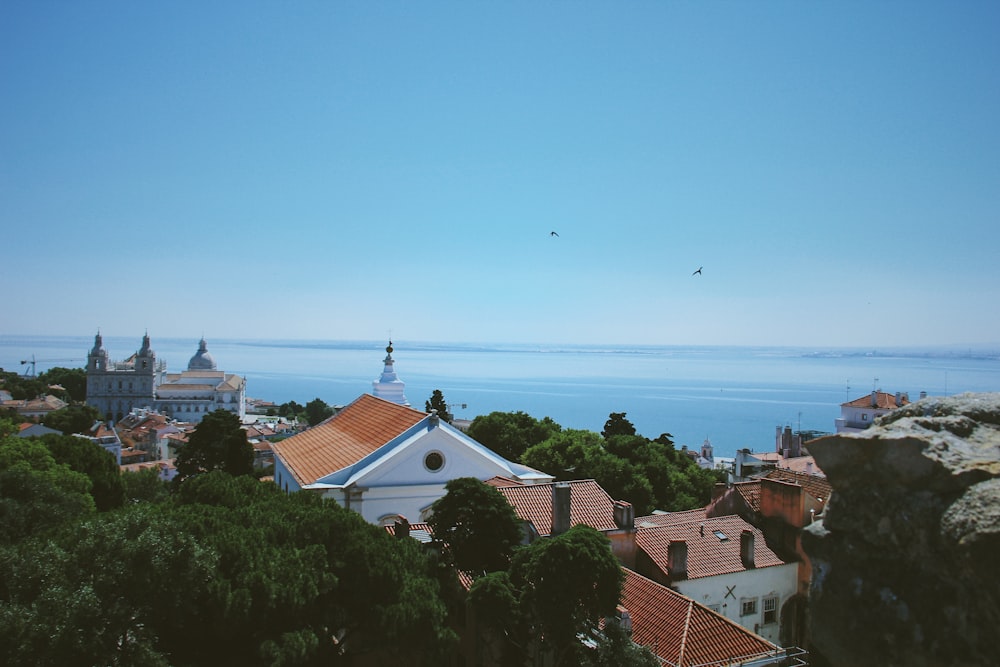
386 460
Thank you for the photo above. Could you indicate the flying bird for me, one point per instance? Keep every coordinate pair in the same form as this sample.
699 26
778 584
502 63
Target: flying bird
553 234
698 272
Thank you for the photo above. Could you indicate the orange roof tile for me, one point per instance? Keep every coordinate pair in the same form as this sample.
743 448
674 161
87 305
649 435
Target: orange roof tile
345 438
883 401
589 504
682 632
500 480
708 554
816 486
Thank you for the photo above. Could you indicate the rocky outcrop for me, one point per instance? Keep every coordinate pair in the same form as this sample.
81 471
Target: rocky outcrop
906 561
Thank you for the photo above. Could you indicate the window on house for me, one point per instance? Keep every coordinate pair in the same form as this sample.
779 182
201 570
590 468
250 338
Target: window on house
770 610
715 608
748 606
864 416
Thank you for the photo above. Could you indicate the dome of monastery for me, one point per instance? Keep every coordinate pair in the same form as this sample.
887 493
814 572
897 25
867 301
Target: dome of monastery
202 360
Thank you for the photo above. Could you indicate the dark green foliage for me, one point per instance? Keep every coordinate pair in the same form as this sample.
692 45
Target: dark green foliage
73 419
650 474
616 649
617 425
217 443
144 486
474 526
317 410
291 409
38 495
95 462
72 380
437 402
229 570
21 387
510 434
567 584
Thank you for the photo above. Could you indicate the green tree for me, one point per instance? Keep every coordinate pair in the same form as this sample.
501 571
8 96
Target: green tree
510 434
317 410
73 380
217 443
616 649
21 387
144 486
73 419
568 583
617 425
37 494
474 526
95 462
291 409
437 402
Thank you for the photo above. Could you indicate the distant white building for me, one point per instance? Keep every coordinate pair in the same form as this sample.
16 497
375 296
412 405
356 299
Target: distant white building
859 414
118 388
388 385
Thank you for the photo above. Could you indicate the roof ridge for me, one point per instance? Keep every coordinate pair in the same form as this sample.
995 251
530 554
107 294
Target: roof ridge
684 635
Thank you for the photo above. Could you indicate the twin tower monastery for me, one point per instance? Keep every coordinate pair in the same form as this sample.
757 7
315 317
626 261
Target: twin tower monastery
115 388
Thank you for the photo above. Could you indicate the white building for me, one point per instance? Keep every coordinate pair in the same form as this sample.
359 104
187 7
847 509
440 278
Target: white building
388 385
118 388
859 414
386 461
723 563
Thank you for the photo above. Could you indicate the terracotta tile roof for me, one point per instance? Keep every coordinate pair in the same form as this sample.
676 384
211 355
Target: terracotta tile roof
816 486
345 438
589 504
806 464
708 554
669 518
883 401
499 480
682 632
750 491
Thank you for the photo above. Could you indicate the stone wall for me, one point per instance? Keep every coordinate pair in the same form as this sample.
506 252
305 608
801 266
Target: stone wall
906 562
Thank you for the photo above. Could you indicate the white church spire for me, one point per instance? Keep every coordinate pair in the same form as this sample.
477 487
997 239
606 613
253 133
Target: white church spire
389 386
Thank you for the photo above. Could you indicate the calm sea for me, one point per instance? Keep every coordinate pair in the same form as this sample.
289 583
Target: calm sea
734 396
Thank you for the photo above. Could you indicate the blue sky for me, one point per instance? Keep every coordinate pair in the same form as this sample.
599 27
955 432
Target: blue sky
345 170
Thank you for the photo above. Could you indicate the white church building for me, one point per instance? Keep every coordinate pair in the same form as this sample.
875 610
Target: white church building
386 460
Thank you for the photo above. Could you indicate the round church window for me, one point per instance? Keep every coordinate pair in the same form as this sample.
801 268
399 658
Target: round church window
434 461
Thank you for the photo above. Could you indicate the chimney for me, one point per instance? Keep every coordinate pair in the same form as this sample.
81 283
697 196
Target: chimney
923 394
719 490
874 398
434 421
402 528
561 494
746 549
677 559
624 515
899 399
809 467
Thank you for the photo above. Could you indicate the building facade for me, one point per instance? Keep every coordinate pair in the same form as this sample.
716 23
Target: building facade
116 388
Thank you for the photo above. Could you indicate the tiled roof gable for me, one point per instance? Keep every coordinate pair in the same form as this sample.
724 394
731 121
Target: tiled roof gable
589 504
707 554
682 632
345 438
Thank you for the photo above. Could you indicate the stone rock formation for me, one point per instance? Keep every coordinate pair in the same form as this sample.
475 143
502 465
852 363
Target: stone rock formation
905 561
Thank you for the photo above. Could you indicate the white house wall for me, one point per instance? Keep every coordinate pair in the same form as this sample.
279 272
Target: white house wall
714 592
405 464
